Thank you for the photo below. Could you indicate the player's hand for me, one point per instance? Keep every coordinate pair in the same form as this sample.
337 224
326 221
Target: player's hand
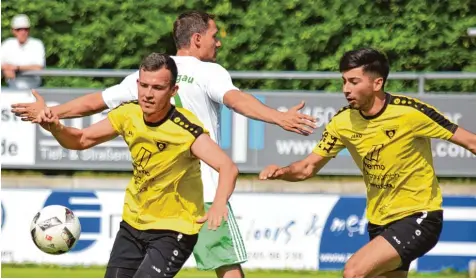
215 215
9 67
271 172
9 74
296 122
48 120
29 111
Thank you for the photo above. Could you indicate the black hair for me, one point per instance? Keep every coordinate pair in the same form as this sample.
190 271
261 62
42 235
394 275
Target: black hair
156 61
371 60
189 23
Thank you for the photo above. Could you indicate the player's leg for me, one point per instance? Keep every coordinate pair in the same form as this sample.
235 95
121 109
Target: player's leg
234 270
222 250
230 271
390 253
119 272
376 257
127 253
167 252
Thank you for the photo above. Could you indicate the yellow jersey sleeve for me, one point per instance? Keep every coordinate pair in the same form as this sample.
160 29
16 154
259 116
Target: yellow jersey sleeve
330 144
429 122
117 118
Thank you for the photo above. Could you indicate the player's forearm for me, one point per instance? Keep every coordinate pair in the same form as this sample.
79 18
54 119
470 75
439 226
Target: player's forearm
472 146
297 171
251 107
68 137
83 106
226 183
29 67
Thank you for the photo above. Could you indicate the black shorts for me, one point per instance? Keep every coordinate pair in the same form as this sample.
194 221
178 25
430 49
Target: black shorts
149 253
412 236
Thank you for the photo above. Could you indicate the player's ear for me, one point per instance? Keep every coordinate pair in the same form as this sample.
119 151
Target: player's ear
196 39
378 84
174 90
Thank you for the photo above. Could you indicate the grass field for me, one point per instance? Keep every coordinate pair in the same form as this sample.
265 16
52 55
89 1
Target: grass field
37 271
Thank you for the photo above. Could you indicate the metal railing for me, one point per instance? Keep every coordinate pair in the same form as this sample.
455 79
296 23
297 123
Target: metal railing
420 77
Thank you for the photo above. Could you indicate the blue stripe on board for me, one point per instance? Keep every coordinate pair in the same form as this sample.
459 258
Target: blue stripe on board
459 201
82 244
256 131
90 224
225 127
459 231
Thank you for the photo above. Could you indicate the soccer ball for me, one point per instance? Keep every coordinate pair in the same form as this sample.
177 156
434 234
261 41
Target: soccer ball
55 229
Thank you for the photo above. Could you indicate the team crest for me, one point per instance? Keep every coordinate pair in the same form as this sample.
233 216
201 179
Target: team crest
390 131
161 145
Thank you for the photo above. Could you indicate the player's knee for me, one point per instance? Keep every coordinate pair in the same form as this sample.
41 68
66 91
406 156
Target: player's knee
352 271
230 271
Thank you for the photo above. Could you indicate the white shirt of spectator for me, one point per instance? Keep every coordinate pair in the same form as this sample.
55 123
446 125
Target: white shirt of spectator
32 52
202 86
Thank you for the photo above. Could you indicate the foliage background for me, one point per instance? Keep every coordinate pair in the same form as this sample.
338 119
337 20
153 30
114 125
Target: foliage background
277 35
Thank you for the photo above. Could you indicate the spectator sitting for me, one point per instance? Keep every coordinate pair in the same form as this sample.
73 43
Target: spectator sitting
22 53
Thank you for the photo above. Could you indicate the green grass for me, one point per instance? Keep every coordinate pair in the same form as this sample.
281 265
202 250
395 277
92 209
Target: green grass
52 271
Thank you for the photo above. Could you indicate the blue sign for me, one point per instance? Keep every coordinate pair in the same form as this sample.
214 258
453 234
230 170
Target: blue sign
254 133
344 233
79 202
3 215
457 237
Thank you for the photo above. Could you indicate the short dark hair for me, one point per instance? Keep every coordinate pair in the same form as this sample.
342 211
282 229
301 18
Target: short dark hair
371 61
156 61
189 23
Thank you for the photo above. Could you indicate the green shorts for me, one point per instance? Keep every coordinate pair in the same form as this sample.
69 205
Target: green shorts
222 247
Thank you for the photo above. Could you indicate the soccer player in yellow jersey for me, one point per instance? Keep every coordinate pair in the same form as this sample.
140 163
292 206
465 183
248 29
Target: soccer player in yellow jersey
163 207
388 137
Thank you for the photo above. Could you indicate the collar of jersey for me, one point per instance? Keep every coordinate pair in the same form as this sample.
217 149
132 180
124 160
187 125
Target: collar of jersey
158 123
370 117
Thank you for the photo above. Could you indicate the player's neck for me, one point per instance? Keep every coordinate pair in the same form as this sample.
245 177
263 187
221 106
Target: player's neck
158 116
376 106
188 52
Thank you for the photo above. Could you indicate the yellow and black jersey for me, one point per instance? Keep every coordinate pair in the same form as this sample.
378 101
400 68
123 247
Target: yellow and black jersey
166 189
393 151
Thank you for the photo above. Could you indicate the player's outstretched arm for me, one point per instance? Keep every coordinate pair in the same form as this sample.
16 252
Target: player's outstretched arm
465 139
297 171
249 106
76 139
209 152
83 106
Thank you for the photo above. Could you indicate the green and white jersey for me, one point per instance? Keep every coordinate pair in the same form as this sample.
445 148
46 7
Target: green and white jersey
202 86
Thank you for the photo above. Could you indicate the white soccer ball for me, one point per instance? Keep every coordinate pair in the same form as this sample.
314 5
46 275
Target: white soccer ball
55 229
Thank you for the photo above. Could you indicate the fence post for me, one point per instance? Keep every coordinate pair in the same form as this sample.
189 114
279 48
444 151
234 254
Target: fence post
421 85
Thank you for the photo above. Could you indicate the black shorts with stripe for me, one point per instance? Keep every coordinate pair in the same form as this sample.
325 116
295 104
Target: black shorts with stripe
149 253
412 236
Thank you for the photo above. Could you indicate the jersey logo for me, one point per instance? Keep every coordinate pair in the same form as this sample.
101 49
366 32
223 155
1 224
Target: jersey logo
143 158
184 78
161 145
371 160
327 142
374 153
390 131
356 136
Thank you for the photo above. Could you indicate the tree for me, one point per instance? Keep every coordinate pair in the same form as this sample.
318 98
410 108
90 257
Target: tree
281 35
